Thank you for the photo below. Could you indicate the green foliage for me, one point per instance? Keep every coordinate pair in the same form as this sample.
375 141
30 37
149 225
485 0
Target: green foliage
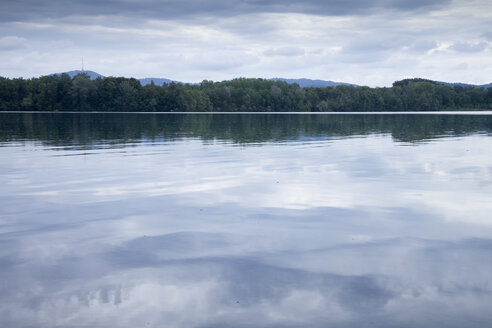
61 93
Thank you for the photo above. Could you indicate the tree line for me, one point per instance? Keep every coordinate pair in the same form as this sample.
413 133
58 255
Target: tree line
80 93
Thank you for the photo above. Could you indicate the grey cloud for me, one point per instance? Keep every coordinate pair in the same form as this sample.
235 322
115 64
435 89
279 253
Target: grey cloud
422 45
285 52
375 44
256 26
220 60
12 43
462 66
369 48
191 40
469 46
487 35
30 9
373 48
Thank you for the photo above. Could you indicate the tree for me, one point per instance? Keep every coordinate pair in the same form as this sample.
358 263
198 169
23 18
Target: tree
82 88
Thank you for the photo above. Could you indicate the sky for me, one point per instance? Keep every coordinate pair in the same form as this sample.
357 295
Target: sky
365 42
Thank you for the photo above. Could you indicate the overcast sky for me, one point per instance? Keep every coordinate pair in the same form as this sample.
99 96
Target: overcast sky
369 42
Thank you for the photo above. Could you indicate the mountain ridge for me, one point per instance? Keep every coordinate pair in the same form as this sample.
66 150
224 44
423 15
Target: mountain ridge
302 82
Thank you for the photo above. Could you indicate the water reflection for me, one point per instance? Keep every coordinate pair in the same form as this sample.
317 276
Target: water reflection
260 221
115 130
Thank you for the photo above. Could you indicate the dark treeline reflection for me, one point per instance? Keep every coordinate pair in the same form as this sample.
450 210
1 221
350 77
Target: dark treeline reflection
87 129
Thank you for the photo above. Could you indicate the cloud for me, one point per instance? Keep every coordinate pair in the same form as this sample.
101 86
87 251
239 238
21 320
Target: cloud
461 46
220 60
371 42
422 46
487 35
12 43
30 9
285 52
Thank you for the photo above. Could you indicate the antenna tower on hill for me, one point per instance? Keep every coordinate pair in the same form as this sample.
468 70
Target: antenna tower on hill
82 64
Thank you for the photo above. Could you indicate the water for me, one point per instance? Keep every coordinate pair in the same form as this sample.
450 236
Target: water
174 220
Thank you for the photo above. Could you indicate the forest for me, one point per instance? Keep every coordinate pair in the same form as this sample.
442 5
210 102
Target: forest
118 94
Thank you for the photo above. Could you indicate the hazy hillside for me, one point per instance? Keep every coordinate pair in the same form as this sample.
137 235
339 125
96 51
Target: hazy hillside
486 86
157 81
93 75
301 82
312 83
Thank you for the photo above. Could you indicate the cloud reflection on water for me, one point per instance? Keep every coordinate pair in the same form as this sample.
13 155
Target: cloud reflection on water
330 232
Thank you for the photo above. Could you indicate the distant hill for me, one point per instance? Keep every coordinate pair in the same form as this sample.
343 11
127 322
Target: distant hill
485 86
321 83
312 83
301 82
157 81
450 84
93 75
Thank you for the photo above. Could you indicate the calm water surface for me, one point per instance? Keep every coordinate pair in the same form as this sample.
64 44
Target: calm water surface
122 220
